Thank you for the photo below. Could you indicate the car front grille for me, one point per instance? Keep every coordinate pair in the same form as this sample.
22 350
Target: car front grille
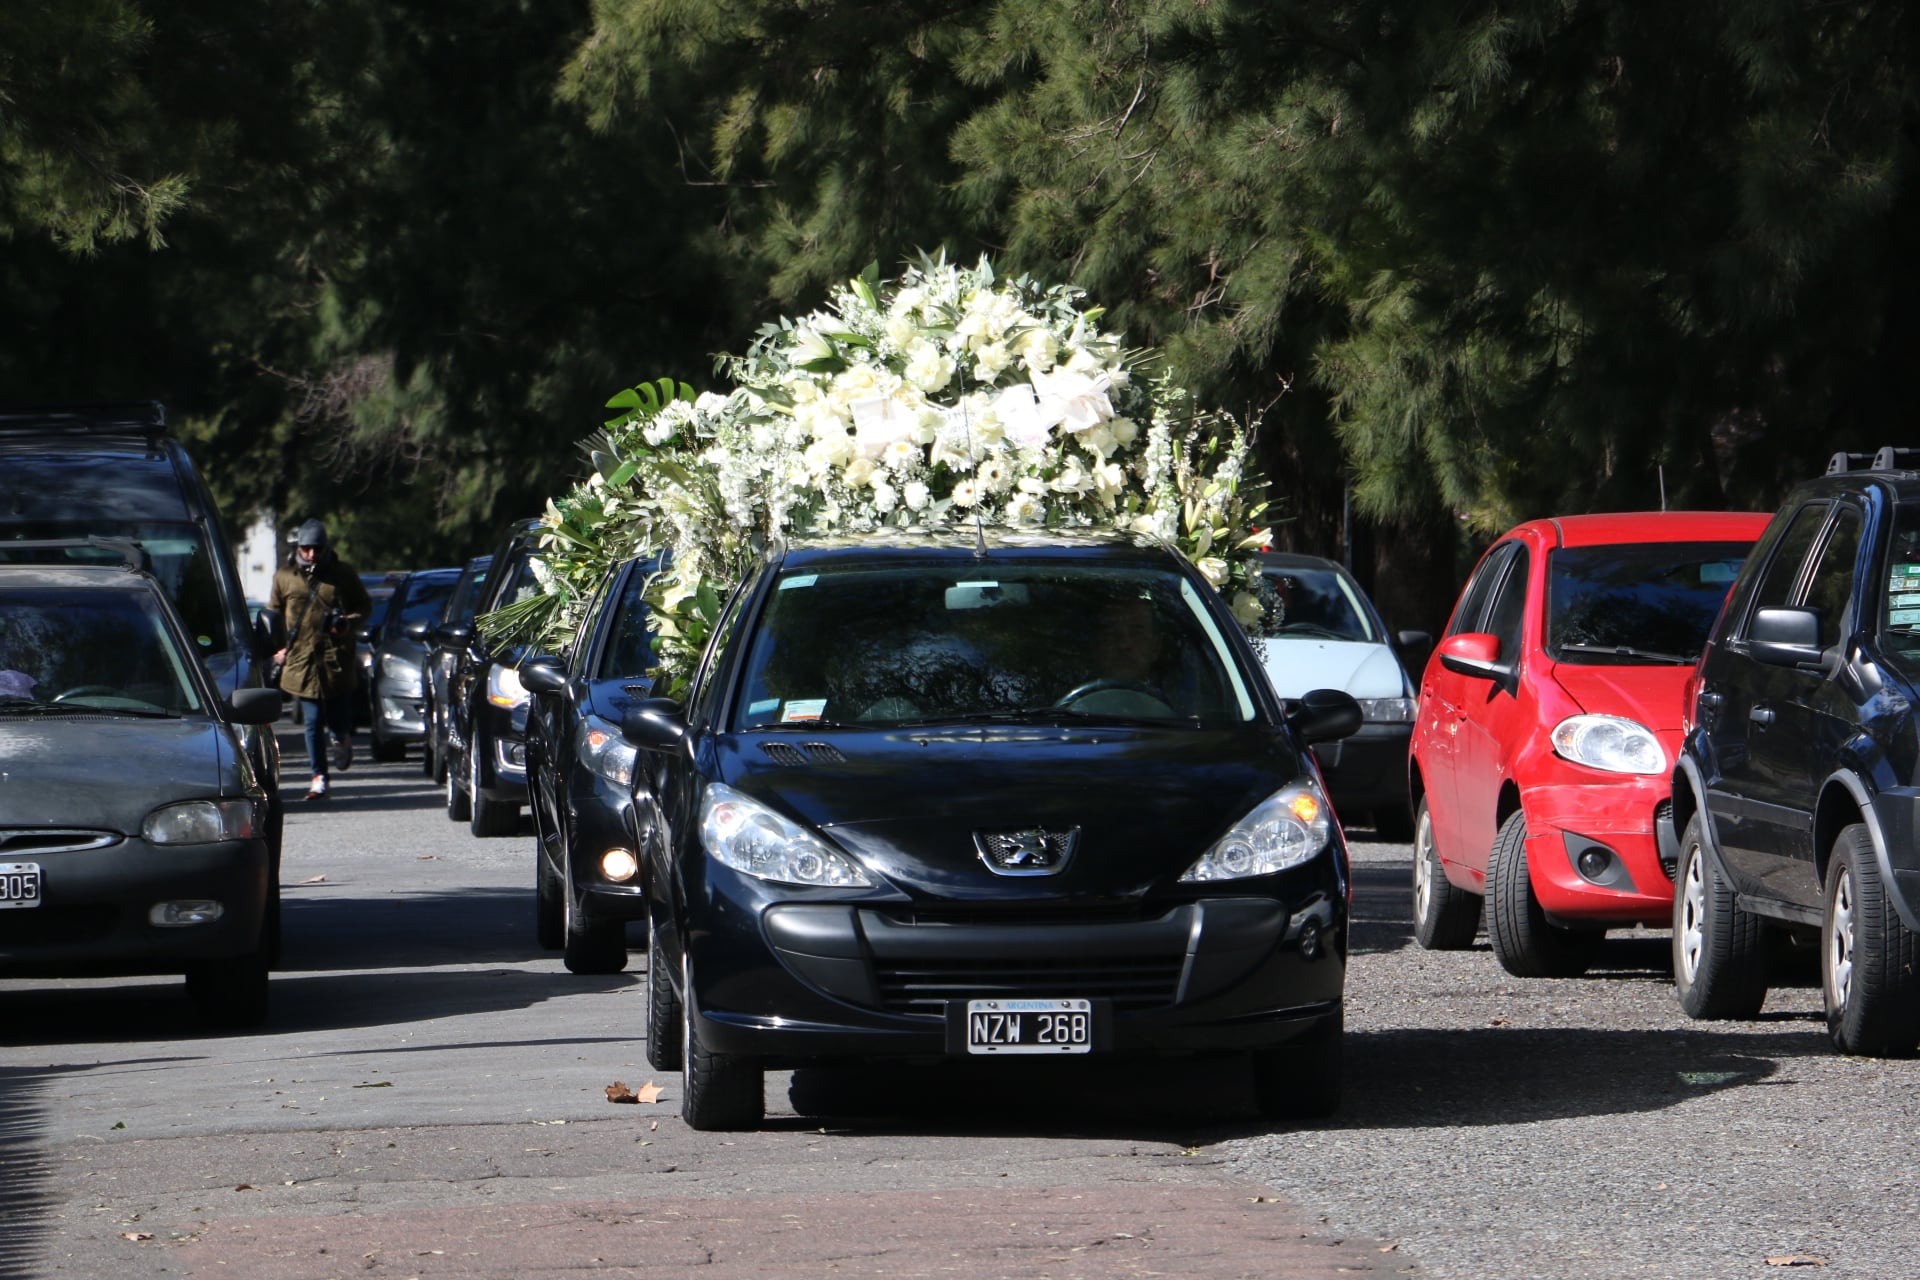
924 985
18 842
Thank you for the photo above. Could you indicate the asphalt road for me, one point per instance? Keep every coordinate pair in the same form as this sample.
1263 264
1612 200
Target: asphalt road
429 1099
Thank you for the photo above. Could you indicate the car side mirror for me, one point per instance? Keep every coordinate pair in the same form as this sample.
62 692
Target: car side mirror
1476 654
270 631
254 706
1413 642
1324 715
1783 637
544 674
416 630
453 635
654 724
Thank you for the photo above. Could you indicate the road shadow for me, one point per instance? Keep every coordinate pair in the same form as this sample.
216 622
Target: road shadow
26 1198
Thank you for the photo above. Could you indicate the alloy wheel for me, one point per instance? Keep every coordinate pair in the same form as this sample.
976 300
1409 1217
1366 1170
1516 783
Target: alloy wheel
1693 906
1423 868
1840 950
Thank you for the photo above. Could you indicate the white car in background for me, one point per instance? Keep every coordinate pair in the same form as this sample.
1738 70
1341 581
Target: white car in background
1328 635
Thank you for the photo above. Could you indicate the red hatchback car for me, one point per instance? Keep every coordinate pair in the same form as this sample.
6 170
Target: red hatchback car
1550 715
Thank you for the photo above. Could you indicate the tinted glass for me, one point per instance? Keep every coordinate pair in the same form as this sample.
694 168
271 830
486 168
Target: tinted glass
425 598
1637 603
932 642
181 562
468 591
1509 608
1900 632
1473 599
1830 590
629 648
106 650
1776 585
1319 603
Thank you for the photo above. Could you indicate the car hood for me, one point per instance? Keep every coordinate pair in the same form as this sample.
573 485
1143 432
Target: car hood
1361 669
1146 802
1651 695
105 772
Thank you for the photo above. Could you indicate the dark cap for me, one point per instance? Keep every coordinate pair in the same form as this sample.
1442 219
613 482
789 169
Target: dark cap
310 534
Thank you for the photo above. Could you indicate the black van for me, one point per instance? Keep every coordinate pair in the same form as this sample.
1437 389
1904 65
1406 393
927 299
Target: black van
111 468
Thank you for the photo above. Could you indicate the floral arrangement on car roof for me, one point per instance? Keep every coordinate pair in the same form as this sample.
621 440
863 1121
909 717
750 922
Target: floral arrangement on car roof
942 396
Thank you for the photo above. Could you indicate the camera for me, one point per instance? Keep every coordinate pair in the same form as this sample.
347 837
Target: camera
334 622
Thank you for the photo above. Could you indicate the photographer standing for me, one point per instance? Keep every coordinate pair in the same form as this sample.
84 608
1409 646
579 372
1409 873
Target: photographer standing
323 603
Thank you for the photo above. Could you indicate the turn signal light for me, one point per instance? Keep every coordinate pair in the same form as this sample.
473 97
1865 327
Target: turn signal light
619 865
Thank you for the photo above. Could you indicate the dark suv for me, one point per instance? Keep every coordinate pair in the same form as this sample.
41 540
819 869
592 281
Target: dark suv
1798 786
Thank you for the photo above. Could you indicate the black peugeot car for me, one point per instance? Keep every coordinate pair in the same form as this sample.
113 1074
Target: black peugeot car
486 721
134 834
445 641
1025 796
580 776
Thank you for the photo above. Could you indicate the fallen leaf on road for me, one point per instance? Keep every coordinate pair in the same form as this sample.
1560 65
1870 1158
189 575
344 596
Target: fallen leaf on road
314 880
377 1084
136 1236
618 1092
1388 1248
426 857
1796 1260
245 1186
1500 1022
649 1092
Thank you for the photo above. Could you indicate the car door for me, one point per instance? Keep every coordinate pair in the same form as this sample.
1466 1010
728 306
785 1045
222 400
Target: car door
1492 713
1444 696
1739 702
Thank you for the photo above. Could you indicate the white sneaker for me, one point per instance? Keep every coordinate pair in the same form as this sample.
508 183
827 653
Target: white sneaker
318 789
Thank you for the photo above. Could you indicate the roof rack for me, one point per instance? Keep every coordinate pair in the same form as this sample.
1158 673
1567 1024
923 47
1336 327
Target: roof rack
133 556
117 417
1886 459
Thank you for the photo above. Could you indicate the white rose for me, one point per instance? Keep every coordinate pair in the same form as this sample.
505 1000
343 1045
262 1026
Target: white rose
901 331
992 360
1036 350
1125 430
1017 409
1024 508
1246 607
928 368
917 495
1099 441
885 497
858 472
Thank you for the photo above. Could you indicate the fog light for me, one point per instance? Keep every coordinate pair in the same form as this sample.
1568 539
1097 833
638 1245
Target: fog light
619 865
185 912
1593 863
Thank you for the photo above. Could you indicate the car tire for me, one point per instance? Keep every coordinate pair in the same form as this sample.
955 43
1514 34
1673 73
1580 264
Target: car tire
426 753
663 1009
1869 961
1525 943
459 806
486 817
383 749
592 946
549 911
1394 824
1719 951
230 994
718 1092
1445 916
1301 1079
442 753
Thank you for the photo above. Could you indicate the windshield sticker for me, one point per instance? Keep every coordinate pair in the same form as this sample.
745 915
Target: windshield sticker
804 580
804 709
1903 617
1904 577
763 706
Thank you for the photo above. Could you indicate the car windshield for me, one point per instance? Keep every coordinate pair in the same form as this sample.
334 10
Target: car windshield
1314 603
629 649
426 597
920 642
1637 603
101 650
180 561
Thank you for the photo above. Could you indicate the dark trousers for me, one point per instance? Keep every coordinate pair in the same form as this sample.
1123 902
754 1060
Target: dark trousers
326 717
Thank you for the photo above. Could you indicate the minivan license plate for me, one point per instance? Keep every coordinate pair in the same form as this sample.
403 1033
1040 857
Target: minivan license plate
19 884
1029 1026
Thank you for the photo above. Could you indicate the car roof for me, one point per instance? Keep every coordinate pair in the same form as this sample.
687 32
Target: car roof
963 541
94 577
1298 560
1900 485
1648 526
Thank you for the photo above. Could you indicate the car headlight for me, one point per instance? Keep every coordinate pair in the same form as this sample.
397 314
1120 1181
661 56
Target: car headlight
201 822
1613 743
1390 710
750 837
602 749
504 688
1284 830
396 666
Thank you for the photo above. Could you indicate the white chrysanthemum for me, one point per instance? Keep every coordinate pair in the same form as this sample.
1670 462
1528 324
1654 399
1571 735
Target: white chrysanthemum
885 497
917 495
1024 508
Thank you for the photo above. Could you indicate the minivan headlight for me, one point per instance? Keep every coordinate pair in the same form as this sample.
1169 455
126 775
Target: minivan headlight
504 688
602 749
1284 830
750 837
1613 743
201 822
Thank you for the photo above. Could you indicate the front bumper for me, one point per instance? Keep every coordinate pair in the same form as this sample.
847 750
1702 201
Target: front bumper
403 718
93 915
602 821
1368 769
1614 821
788 982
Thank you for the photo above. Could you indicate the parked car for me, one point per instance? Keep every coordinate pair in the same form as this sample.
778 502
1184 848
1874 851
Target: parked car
446 641
136 830
1036 799
396 694
1550 717
380 588
1794 795
1328 635
112 469
487 705
580 776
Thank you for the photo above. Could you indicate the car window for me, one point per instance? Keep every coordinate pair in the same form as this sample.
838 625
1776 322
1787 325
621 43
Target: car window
1830 589
629 648
1507 612
1322 603
1789 553
1473 599
106 650
181 563
705 684
915 642
1900 628
518 584
467 592
1636 602
425 598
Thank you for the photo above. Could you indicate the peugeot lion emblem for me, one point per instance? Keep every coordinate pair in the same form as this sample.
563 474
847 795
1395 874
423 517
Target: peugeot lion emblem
1032 852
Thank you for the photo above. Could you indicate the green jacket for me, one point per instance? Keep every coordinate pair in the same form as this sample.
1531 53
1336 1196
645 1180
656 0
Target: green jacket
320 664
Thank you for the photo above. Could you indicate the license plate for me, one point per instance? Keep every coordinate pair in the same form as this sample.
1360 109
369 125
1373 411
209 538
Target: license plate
1029 1026
19 884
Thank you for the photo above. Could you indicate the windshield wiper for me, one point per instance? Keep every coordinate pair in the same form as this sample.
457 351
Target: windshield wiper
37 706
1629 651
803 726
1046 714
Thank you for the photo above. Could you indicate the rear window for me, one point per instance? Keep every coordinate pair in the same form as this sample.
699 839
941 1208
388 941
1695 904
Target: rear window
1316 604
922 643
1639 603
181 562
